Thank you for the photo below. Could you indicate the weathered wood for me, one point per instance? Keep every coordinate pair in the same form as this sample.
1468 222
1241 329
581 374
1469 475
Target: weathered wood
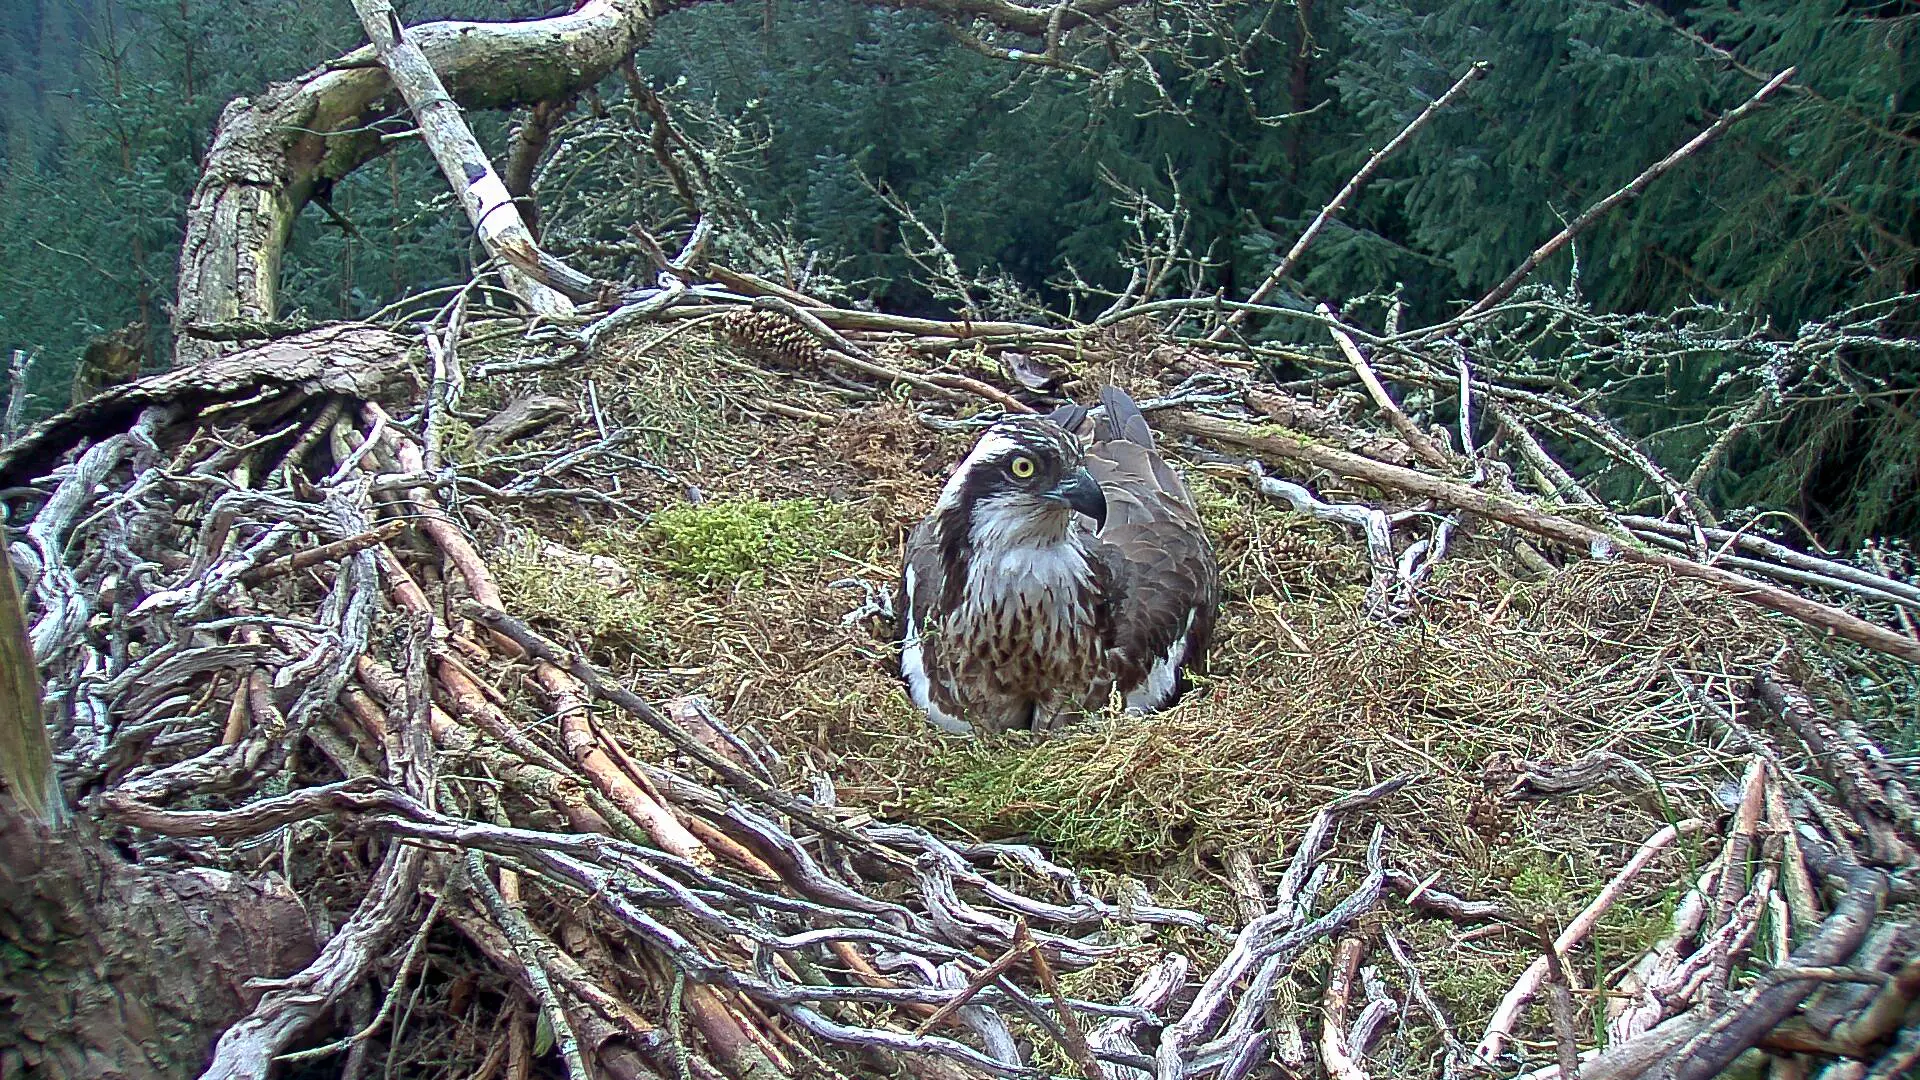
483 195
110 360
522 416
350 359
26 754
1567 531
246 1050
1886 819
1334 1055
1775 999
19 369
272 152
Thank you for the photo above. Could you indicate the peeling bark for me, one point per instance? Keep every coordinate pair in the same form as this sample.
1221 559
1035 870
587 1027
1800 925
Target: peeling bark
112 971
350 359
271 153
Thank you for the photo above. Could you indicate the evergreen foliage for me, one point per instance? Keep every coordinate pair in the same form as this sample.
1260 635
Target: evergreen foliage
879 154
108 109
1807 208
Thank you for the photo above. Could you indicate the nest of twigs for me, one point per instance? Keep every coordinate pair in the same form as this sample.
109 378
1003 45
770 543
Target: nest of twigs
568 703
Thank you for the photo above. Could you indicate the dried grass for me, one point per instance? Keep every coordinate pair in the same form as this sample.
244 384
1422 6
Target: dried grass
1307 699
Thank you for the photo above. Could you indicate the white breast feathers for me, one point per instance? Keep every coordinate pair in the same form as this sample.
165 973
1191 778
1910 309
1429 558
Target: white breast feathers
1028 572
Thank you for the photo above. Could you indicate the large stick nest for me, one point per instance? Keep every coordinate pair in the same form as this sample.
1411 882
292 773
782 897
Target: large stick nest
583 738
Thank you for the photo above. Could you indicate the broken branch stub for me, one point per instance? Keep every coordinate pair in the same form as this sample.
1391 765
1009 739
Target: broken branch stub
483 195
271 152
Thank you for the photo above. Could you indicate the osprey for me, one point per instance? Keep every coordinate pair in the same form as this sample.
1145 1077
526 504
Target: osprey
1048 576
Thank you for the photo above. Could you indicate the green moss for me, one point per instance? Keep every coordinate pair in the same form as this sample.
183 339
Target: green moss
1541 886
1629 929
1219 510
568 594
1472 988
459 441
739 540
1038 789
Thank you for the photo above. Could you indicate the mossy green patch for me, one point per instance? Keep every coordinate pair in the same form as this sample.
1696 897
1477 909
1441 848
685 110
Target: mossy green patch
1219 511
573 594
1542 886
739 540
1031 789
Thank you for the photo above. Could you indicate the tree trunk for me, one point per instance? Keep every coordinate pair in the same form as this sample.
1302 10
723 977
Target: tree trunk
109 970
270 153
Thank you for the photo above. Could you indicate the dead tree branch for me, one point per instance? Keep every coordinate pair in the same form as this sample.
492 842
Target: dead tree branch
1575 534
1339 201
1632 190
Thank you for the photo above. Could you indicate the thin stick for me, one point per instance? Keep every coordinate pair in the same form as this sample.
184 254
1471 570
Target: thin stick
1559 1001
1074 1039
1243 880
864 971
1466 413
1717 452
1279 272
1781 553
1501 1026
448 382
1333 1020
1633 190
1423 447
17 374
1880 564
338 549
1553 477
513 923
1787 574
1796 884
568 700
990 974
1733 880
1417 990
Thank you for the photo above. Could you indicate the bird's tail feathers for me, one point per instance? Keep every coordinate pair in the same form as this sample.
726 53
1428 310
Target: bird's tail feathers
1124 419
1069 416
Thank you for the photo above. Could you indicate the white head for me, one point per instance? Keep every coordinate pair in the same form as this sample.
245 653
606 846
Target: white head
1018 488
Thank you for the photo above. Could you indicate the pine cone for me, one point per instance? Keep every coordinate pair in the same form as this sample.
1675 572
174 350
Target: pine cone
772 337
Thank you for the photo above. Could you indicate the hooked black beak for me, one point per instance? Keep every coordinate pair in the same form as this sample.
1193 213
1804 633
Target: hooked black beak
1082 492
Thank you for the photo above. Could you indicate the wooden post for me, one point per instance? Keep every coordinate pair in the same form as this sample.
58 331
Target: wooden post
26 754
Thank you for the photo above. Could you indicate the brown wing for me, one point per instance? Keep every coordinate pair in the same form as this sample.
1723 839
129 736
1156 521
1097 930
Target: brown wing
923 587
1163 582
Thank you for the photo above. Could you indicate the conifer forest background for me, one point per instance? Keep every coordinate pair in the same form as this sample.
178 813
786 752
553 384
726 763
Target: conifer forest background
858 146
458 637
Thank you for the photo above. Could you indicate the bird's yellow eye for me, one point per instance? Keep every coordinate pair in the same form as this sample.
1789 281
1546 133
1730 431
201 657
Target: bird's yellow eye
1022 467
